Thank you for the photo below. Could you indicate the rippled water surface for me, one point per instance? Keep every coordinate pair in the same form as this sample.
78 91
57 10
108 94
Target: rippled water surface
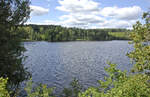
56 64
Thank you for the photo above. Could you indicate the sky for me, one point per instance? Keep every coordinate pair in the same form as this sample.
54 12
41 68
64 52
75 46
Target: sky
88 13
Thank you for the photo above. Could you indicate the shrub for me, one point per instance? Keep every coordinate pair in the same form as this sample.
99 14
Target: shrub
39 91
3 90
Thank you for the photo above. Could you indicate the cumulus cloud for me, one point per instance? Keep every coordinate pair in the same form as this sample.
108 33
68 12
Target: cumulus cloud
38 11
114 23
126 13
81 19
88 13
78 6
81 13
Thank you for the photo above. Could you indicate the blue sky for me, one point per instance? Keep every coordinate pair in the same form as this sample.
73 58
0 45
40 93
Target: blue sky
88 13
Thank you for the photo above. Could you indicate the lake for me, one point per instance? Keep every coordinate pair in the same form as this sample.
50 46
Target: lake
57 63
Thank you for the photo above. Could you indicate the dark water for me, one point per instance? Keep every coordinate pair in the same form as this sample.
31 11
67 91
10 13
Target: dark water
56 64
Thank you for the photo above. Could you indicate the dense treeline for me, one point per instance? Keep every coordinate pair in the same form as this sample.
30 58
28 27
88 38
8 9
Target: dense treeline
57 33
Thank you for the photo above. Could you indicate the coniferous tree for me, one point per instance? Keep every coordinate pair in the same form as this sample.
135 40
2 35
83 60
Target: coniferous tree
12 14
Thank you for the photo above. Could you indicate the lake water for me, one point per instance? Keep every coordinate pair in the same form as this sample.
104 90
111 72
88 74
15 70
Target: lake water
56 64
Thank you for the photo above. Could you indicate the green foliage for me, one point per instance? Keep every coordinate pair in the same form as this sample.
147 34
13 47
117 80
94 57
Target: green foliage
57 33
118 83
91 92
74 90
135 86
39 91
3 90
115 79
120 35
140 39
12 14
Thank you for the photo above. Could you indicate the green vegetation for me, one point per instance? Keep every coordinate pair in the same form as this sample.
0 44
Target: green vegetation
39 91
140 39
12 14
118 83
136 84
120 35
3 88
72 91
57 33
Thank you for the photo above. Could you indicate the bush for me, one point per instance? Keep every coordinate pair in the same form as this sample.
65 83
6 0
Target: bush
3 90
39 91
72 91
118 84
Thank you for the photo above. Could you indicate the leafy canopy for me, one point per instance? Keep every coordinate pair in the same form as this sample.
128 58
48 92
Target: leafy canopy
12 14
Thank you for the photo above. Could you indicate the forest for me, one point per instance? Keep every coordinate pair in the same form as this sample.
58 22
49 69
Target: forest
54 33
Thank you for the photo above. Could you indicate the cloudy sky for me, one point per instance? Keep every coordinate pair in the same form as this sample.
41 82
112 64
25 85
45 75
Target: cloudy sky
88 13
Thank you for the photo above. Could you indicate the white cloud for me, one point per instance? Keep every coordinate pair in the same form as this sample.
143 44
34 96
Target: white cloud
51 22
89 14
126 13
78 6
114 23
38 11
45 22
81 13
81 19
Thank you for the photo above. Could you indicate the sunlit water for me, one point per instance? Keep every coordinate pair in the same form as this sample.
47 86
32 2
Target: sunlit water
56 64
